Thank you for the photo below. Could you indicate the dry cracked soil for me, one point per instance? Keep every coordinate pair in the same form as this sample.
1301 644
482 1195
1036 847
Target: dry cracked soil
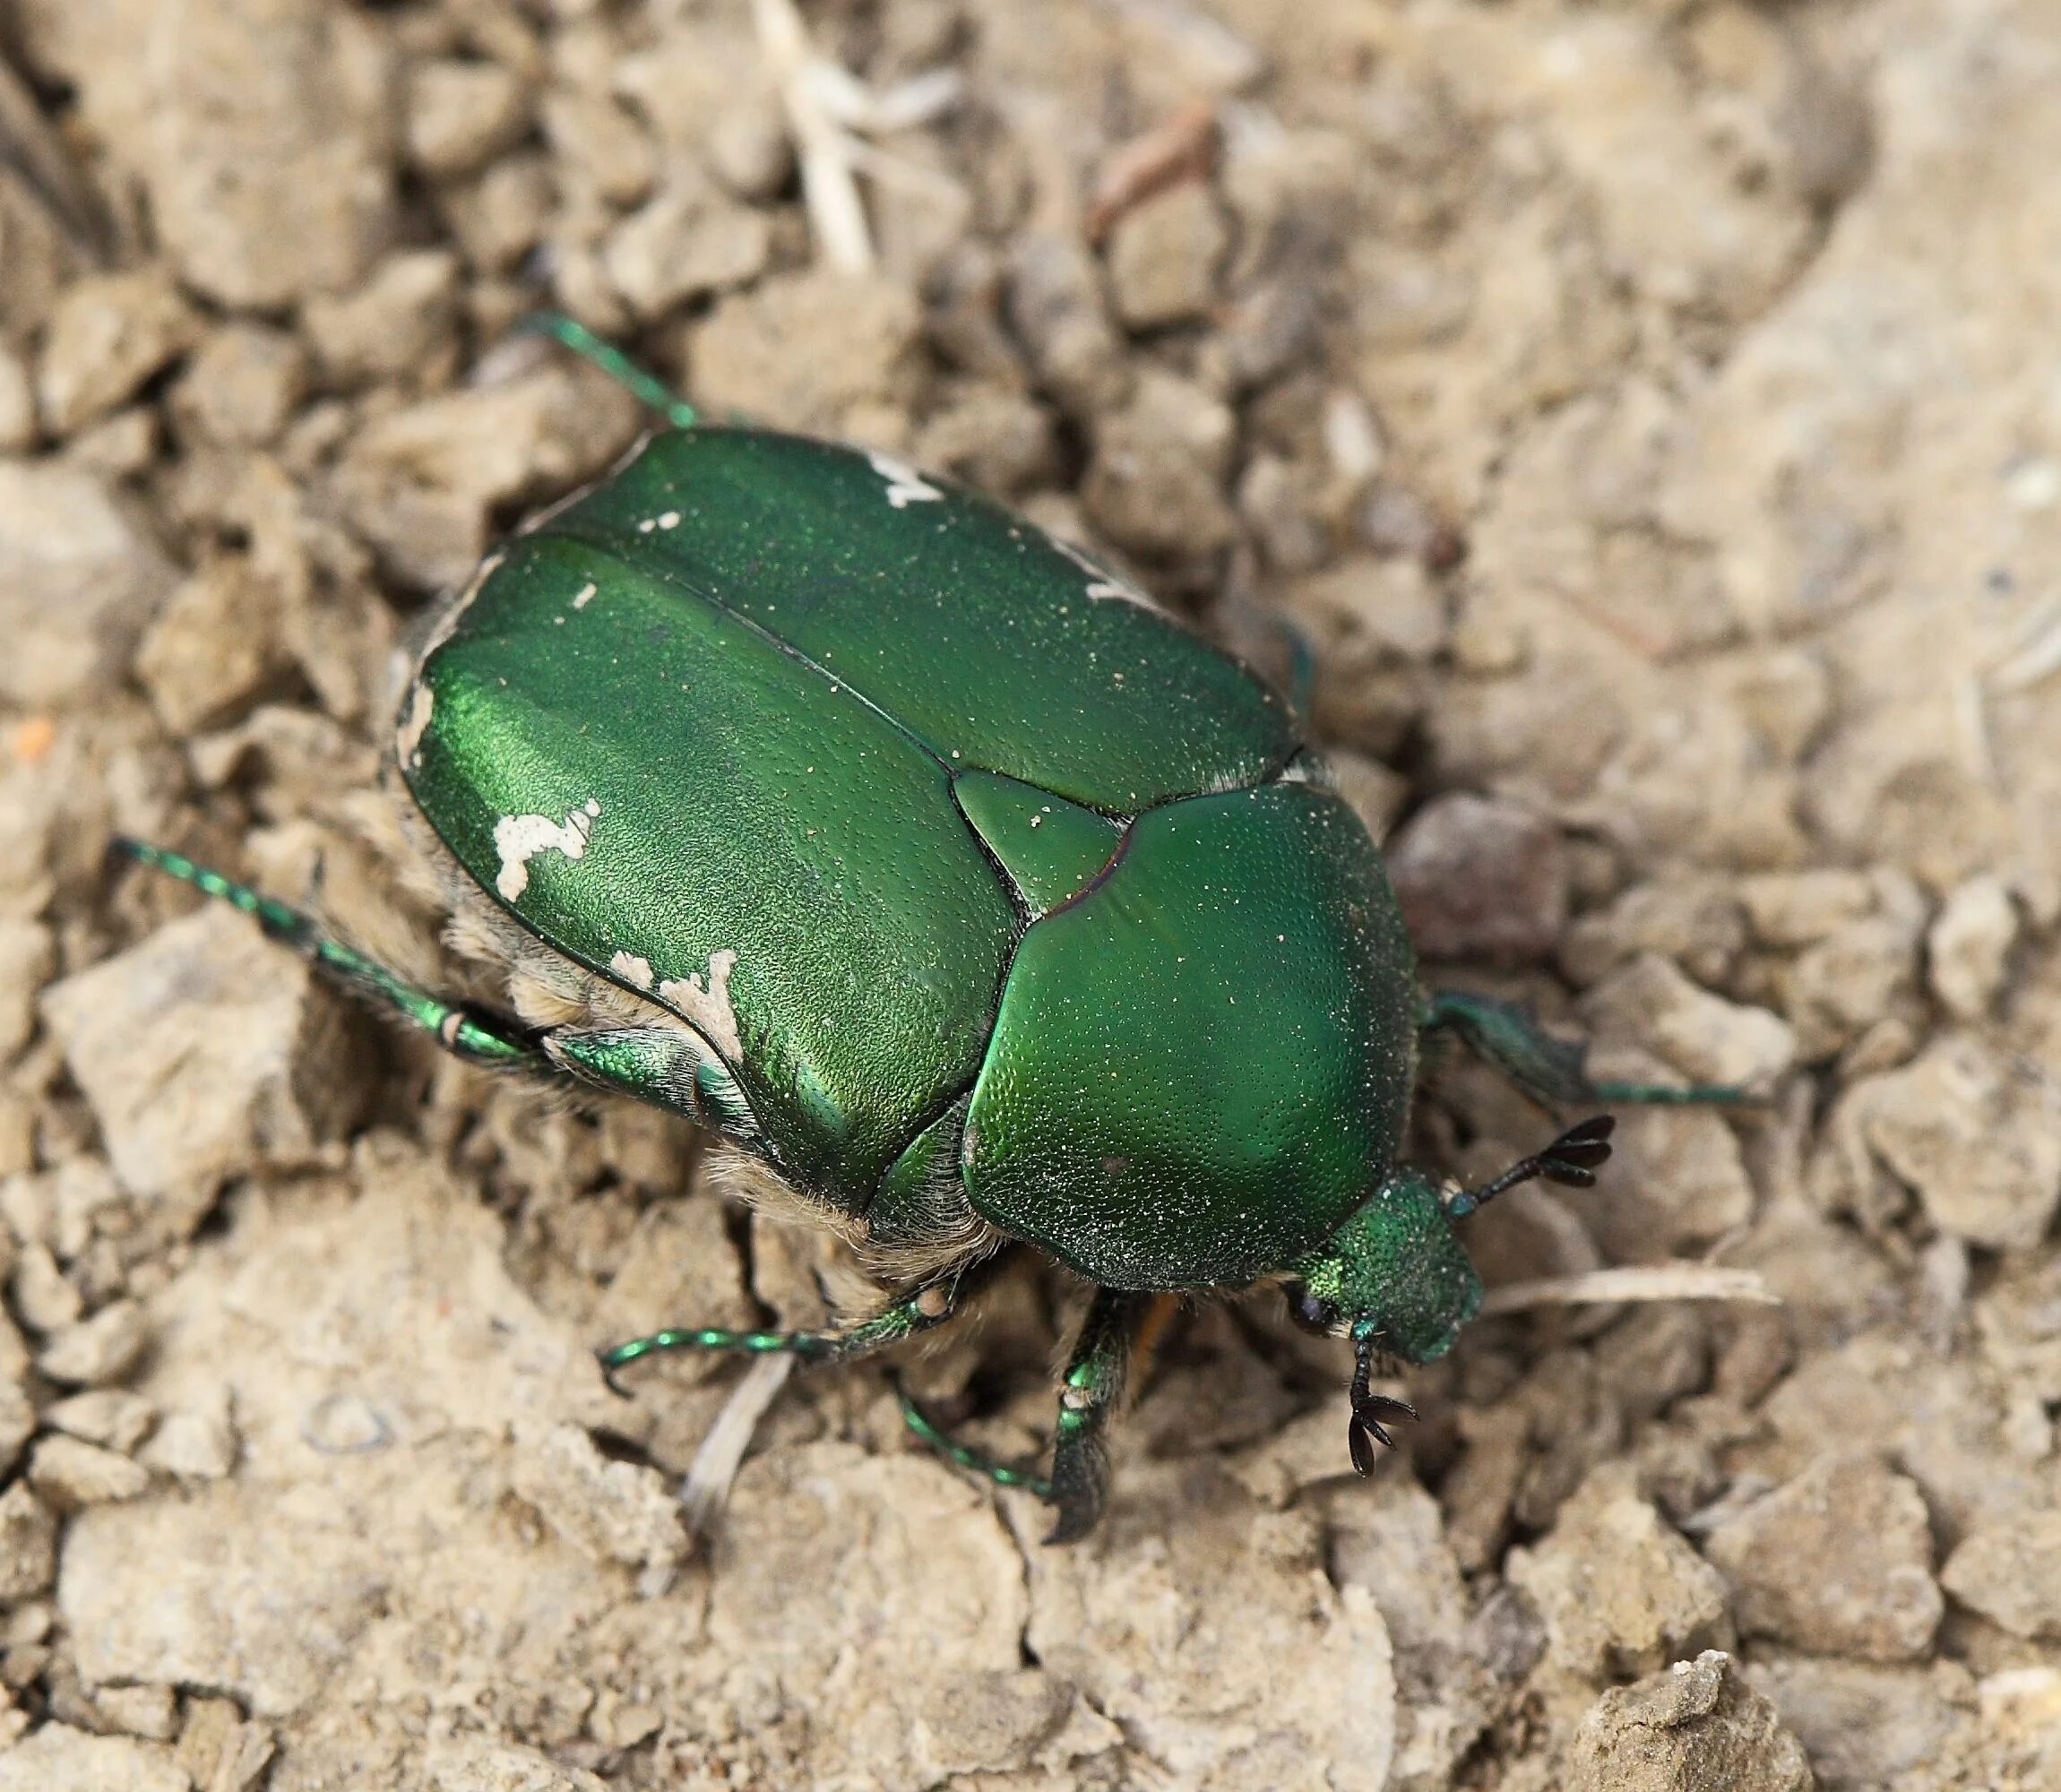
1648 409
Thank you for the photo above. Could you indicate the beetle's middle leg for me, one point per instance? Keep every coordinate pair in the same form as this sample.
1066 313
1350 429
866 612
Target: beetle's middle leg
921 1309
1119 1331
1552 1070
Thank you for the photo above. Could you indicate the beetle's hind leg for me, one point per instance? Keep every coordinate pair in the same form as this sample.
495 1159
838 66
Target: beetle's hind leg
461 1028
1121 1327
963 1456
1552 1070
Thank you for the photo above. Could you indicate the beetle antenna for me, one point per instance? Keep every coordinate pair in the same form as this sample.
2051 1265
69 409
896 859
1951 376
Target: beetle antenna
1369 1409
1570 1160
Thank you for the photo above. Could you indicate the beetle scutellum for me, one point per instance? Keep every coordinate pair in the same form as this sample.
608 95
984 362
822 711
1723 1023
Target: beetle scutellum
971 898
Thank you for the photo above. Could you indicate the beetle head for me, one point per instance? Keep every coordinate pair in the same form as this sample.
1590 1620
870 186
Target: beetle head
1395 1279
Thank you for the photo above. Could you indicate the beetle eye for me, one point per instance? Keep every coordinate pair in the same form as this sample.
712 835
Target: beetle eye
1312 1314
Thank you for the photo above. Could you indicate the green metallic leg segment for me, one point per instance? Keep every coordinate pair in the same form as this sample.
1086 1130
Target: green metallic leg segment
913 1313
961 1455
644 387
1552 1070
463 1030
1089 1395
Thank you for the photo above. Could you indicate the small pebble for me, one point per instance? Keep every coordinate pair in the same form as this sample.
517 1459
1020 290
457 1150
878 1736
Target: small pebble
110 333
1969 945
1694 1727
1163 257
389 327
1479 878
113 1417
17 404
1976 1133
99 1349
2010 1572
192 1446
1837 1561
28 957
462 115
1711 1041
46 1301
243 386
72 1474
28 1545
1799 908
1620 1591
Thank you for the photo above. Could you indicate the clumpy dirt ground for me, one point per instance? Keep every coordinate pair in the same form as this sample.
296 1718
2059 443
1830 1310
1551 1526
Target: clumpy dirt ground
1651 412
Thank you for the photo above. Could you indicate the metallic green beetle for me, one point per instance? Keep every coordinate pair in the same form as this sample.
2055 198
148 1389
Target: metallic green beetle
926 861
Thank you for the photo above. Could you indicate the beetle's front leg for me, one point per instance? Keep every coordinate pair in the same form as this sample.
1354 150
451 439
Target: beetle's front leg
1118 1322
906 1317
1508 1036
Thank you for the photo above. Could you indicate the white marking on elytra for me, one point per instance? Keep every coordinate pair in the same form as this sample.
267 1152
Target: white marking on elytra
670 520
905 484
1100 585
407 738
707 1005
632 969
586 595
518 839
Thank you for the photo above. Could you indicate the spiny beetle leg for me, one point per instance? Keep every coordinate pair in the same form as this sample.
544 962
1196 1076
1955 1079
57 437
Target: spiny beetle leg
461 1028
916 1311
1551 1071
1089 1392
964 1456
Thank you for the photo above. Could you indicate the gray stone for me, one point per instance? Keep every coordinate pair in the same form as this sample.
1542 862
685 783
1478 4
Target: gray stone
1620 1591
1479 878
108 334
1968 945
1976 1134
1837 1561
58 1756
462 115
1696 1726
2010 1573
1709 1039
1164 253
28 1545
78 580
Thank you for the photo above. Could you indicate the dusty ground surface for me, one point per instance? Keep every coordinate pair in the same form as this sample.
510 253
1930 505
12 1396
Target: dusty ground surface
1651 412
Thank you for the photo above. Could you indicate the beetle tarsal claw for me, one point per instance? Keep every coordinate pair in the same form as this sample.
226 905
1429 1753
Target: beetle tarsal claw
1365 1424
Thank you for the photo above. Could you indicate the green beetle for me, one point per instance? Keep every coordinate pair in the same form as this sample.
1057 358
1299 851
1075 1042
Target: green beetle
926 861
